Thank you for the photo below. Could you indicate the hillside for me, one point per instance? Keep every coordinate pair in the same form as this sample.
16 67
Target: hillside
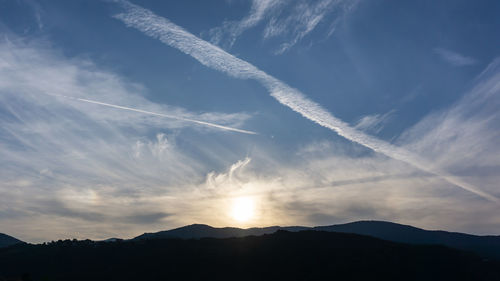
6 240
485 246
305 255
196 231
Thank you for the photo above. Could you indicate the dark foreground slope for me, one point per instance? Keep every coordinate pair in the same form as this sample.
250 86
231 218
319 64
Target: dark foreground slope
6 240
306 255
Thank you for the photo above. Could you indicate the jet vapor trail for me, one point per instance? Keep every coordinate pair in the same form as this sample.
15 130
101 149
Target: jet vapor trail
214 57
163 115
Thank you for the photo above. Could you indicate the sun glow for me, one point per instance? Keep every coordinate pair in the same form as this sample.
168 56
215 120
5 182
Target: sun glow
243 209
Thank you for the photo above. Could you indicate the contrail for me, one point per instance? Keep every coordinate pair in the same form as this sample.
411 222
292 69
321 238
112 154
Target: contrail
162 115
218 59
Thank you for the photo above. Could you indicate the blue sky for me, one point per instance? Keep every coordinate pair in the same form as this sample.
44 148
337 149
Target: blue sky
120 117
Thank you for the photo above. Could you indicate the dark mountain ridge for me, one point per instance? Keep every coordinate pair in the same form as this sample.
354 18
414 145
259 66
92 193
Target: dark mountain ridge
486 246
6 240
196 231
283 255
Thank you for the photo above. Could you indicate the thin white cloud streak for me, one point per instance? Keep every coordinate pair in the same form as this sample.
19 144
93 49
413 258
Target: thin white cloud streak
163 115
464 138
304 18
218 59
373 123
454 58
257 13
38 11
71 76
259 10
291 20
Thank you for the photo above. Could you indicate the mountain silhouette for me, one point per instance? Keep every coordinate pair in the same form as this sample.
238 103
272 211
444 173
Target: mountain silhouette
6 240
283 255
485 246
196 231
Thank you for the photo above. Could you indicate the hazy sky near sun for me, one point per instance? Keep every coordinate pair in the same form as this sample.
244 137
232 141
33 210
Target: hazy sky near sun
118 118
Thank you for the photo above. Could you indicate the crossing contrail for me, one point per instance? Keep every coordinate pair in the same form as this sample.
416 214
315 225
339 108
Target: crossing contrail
216 58
162 115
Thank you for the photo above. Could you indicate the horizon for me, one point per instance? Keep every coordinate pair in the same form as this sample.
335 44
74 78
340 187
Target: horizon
123 117
311 227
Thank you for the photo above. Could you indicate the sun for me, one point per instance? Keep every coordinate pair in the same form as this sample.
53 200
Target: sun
243 209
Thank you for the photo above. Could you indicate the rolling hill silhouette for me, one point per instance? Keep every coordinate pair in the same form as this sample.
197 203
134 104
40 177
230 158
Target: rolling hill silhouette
196 231
6 240
283 255
485 246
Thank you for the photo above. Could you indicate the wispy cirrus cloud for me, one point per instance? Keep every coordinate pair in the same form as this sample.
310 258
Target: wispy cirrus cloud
290 21
218 59
227 34
373 123
304 18
83 168
454 58
38 10
464 138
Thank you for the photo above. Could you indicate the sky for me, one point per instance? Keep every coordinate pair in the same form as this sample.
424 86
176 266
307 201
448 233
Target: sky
123 117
